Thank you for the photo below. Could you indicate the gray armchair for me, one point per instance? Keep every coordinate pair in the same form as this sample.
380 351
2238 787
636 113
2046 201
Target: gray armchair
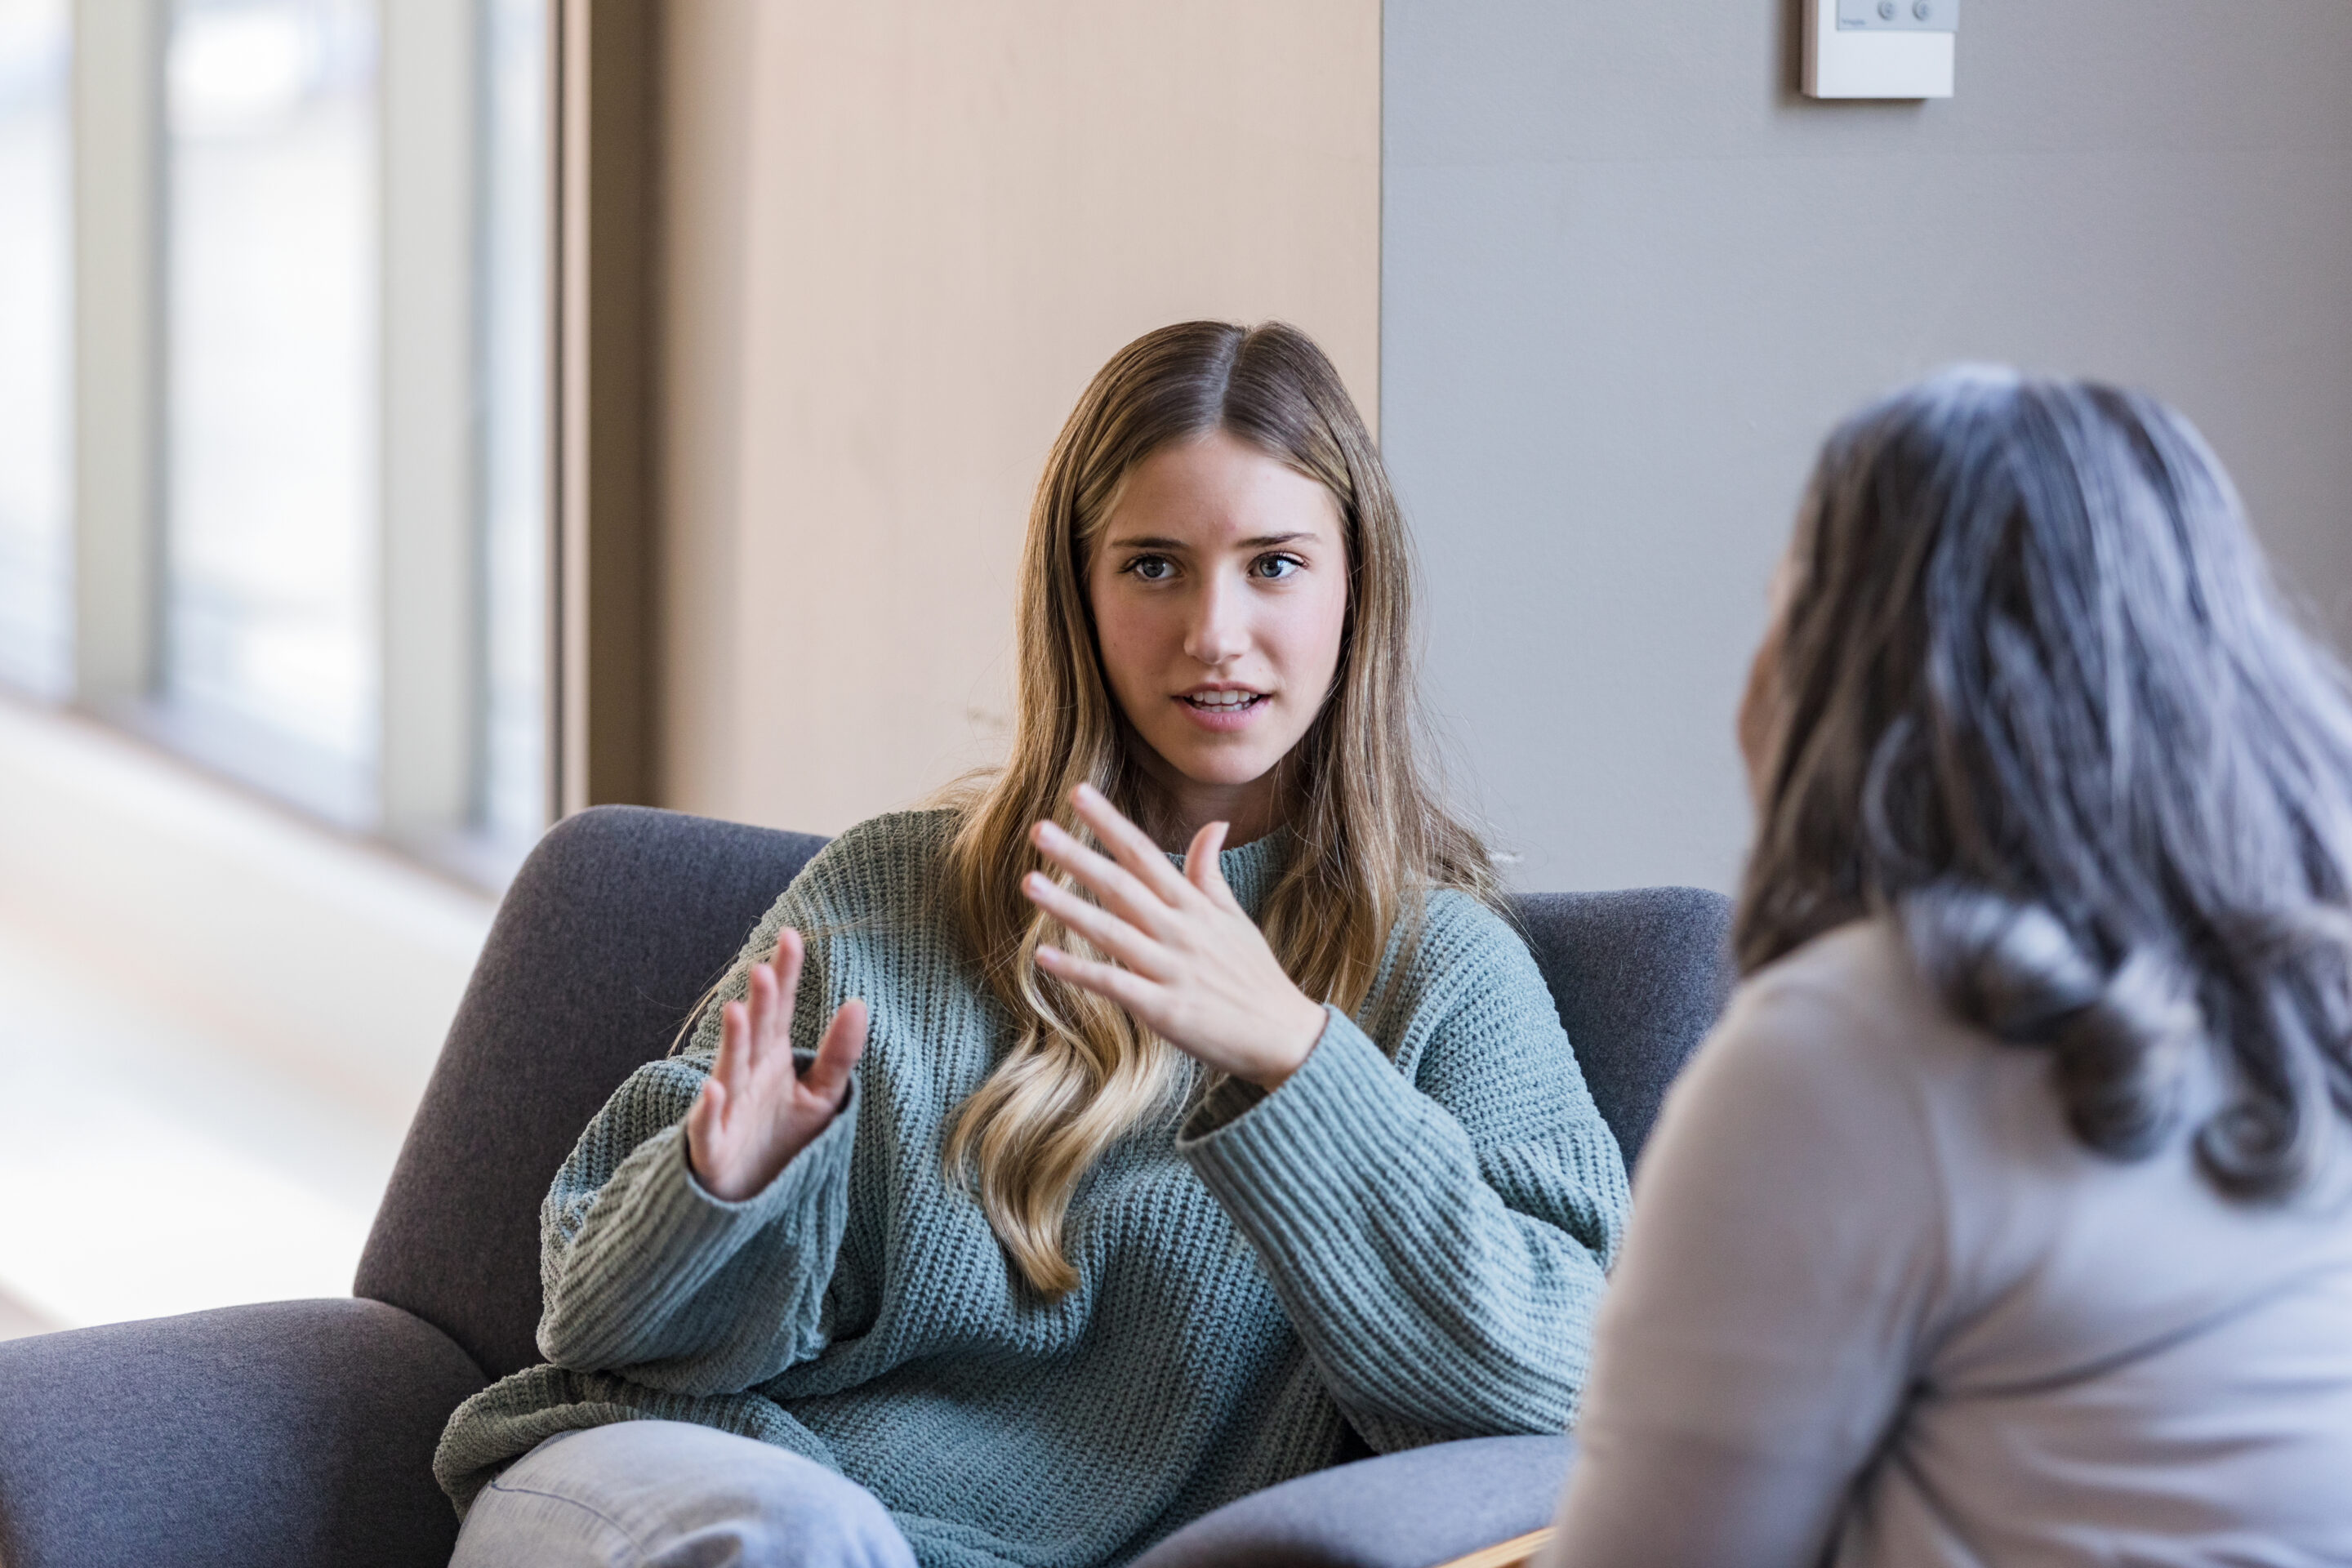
299 1433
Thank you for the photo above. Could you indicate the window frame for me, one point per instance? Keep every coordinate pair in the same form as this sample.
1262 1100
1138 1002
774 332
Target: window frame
429 786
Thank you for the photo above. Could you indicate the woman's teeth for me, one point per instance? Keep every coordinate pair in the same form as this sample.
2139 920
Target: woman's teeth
1225 701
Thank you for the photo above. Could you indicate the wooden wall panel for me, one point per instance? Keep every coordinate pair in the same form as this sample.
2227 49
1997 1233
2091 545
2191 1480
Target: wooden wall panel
896 239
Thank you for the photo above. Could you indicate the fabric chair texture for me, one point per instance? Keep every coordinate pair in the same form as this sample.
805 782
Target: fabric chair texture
299 1434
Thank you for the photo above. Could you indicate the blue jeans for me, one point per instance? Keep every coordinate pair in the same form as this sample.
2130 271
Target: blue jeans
669 1494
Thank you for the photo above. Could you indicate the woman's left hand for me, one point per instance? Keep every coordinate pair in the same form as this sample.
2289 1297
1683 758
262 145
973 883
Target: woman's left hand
1192 967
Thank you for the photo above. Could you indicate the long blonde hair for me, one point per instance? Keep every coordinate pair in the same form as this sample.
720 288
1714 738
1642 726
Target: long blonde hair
1371 836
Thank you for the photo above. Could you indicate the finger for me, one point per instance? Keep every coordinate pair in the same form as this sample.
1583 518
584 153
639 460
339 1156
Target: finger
1130 990
1118 891
706 1119
790 951
758 1011
844 1041
1130 844
768 991
1201 867
786 961
1097 925
731 1067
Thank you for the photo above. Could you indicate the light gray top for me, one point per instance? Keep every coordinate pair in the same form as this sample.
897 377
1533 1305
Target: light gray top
1878 1306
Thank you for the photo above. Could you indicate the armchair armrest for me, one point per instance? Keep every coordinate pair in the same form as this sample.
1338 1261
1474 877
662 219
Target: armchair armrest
298 1434
1405 1509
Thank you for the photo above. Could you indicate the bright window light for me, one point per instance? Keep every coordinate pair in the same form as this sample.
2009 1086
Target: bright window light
36 342
511 800
270 265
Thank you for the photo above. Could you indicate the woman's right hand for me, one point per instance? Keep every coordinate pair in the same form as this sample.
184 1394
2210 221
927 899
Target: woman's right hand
756 1111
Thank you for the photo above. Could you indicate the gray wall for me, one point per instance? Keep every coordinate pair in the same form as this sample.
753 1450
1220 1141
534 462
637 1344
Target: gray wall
1630 279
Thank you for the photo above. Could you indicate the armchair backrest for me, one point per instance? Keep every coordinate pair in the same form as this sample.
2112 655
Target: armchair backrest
622 917
615 927
1639 977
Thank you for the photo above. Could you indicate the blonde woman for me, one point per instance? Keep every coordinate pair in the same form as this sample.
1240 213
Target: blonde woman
1031 1189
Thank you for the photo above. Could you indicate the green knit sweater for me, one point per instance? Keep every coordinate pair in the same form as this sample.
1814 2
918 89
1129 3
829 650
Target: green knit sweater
1407 1239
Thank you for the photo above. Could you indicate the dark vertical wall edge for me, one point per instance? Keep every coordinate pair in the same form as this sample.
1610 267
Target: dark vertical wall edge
608 117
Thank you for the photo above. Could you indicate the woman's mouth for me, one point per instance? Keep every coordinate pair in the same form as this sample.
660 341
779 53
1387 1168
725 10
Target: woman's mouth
1222 712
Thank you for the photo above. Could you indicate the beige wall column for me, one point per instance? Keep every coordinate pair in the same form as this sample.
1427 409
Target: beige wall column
897 239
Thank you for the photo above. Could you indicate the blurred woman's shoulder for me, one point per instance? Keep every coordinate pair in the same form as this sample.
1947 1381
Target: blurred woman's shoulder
1859 971
1845 1026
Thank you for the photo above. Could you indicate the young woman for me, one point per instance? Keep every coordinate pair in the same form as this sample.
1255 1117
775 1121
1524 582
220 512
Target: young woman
2006 1217
1118 1184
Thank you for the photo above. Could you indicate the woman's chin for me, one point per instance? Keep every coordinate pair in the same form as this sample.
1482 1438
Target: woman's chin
1219 769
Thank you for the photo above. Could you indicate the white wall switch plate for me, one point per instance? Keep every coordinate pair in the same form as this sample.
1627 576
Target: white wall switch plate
1880 49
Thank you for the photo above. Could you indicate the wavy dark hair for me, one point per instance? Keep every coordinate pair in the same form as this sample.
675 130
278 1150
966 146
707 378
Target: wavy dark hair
2037 699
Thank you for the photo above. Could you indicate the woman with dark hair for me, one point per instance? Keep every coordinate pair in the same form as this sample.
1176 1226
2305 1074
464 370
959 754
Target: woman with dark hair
2006 1217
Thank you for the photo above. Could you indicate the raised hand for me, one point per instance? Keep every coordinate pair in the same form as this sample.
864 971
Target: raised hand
1190 965
756 1111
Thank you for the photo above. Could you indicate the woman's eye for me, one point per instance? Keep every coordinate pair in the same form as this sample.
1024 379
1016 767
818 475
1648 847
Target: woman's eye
1152 568
1275 567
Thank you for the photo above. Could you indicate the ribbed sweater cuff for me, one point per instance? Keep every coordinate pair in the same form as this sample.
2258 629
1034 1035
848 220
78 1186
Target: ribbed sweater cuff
1293 1168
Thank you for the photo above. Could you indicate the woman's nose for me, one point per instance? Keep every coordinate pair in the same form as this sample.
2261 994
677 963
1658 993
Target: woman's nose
1219 632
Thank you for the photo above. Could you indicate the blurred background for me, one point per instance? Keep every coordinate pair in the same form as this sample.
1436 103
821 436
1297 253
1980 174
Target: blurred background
274 313
420 419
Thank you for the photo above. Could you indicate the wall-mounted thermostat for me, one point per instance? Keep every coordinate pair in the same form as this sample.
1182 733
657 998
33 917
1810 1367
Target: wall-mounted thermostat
1880 49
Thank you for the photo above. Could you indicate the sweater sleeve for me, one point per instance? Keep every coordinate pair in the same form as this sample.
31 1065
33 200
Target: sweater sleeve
1779 1272
1439 1243
643 1270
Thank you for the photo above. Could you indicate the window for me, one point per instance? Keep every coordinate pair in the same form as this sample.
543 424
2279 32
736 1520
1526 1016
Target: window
272 325
35 335
511 786
314 316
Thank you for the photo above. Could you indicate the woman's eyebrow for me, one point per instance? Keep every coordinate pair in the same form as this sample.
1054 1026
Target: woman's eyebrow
1263 542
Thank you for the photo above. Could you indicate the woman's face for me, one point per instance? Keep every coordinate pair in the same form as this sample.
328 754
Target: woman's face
1220 590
